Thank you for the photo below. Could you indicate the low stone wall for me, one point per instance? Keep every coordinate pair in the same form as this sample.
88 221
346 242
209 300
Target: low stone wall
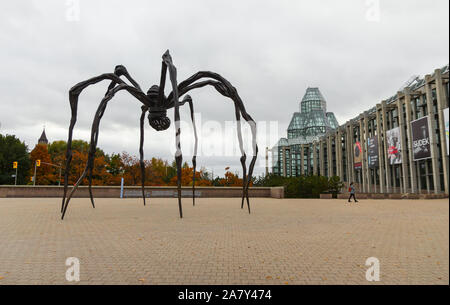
135 191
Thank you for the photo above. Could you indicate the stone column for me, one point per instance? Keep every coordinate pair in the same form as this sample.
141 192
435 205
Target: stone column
442 104
329 156
302 159
315 161
401 123
352 160
321 160
387 165
380 151
366 156
412 168
338 153
432 131
349 137
362 141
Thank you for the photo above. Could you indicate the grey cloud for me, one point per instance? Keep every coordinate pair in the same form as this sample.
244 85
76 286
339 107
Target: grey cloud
270 50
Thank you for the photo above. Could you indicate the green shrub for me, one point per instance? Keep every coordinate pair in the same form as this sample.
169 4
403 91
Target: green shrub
303 186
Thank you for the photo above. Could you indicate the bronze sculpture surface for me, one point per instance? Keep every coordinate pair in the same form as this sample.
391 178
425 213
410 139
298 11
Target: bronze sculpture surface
156 104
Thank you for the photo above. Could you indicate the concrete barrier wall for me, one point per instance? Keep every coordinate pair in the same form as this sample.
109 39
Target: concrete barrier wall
135 191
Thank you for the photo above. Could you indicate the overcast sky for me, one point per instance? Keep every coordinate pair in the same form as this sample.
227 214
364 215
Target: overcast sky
271 51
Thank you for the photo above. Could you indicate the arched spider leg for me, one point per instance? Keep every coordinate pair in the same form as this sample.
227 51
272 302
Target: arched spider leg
226 89
94 137
243 157
119 70
73 98
141 150
178 155
188 99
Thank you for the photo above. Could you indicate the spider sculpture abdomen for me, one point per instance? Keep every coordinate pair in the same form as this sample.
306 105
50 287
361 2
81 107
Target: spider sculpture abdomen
156 104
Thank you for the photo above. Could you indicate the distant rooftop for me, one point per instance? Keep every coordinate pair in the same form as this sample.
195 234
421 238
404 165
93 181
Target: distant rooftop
43 139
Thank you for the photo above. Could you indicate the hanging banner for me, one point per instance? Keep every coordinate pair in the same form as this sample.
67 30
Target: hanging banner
357 157
394 144
446 128
372 152
420 139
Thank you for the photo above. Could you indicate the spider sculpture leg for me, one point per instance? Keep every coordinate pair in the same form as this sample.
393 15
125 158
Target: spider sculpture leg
119 70
188 99
243 157
94 132
73 98
225 88
178 155
141 150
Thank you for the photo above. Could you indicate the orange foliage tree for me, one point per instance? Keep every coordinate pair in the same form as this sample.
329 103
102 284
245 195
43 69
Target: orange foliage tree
45 174
109 169
186 177
230 179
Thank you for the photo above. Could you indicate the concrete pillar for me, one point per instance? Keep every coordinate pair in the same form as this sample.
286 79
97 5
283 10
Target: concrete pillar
321 160
338 153
403 135
442 104
432 130
315 161
365 150
302 159
362 141
412 167
352 160
387 166
349 150
330 156
381 157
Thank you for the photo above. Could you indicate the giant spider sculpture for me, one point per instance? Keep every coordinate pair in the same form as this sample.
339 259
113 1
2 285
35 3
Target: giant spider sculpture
157 104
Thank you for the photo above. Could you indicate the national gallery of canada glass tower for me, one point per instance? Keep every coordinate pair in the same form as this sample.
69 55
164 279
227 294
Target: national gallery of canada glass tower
306 127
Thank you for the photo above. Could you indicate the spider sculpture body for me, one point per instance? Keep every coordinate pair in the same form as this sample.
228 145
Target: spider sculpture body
156 104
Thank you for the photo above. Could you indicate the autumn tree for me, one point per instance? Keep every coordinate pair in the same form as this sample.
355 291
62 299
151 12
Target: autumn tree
45 173
186 177
230 179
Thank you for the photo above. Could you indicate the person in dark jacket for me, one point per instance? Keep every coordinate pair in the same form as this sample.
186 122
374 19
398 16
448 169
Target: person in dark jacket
352 193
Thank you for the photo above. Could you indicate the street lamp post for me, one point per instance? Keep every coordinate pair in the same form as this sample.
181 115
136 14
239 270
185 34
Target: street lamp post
34 177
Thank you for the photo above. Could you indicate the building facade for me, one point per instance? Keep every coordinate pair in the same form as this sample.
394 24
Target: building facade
399 146
306 127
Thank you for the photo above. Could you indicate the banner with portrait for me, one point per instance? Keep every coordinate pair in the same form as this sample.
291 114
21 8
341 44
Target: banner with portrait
357 155
446 128
394 145
420 139
372 152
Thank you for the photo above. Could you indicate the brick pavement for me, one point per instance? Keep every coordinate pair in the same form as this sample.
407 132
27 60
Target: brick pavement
282 242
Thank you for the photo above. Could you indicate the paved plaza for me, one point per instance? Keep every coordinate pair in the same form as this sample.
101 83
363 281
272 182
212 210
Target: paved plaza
282 242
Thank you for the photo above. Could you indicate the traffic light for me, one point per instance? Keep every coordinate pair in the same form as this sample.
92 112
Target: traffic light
15 164
38 162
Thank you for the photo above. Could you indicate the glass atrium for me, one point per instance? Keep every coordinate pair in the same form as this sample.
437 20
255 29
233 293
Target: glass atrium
306 126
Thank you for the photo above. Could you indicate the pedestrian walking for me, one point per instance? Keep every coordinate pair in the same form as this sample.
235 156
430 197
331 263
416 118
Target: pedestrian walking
351 189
